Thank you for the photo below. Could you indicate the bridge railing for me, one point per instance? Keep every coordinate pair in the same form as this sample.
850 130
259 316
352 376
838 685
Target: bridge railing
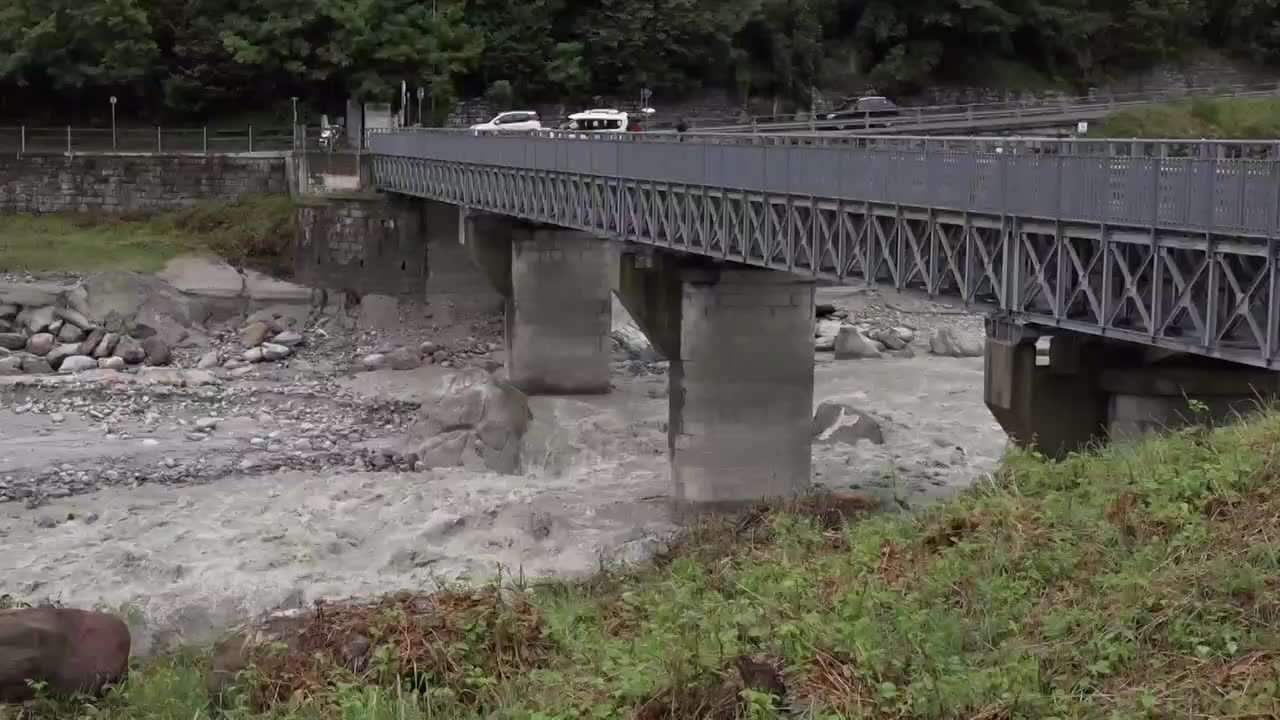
1221 187
950 114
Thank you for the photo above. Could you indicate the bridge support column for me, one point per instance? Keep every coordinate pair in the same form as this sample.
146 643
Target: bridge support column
1152 399
558 302
1055 408
741 388
558 314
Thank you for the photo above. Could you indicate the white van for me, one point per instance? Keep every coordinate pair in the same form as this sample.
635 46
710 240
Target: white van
514 121
598 120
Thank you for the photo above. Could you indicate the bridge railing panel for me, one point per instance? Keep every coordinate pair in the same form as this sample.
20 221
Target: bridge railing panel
732 166
1199 186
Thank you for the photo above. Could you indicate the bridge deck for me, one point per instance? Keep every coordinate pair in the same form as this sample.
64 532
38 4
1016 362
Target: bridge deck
1169 244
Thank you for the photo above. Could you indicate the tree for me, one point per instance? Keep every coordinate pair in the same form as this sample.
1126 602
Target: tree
383 42
75 44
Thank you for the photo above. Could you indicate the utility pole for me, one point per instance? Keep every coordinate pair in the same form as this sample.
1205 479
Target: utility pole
114 146
435 11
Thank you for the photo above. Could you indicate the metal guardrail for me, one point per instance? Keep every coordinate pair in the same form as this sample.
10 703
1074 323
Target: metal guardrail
32 139
960 114
1203 186
1166 243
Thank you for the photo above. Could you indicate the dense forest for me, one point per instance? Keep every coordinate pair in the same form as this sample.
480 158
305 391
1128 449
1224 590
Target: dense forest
168 58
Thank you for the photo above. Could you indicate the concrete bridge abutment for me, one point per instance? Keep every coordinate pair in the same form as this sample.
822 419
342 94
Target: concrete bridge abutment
1090 390
740 345
556 285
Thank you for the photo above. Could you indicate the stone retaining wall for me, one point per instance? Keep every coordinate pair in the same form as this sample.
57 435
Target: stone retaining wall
118 184
365 243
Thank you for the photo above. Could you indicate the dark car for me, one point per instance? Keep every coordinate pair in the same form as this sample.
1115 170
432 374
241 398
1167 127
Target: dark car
865 112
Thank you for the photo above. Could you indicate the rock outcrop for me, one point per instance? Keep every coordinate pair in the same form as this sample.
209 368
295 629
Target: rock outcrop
947 343
840 423
476 420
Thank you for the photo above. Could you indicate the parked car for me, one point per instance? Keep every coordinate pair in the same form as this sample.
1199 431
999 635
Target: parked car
513 121
861 112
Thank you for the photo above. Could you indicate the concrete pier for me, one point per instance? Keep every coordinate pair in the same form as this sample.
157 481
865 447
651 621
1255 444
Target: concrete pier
742 389
1090 391
558 303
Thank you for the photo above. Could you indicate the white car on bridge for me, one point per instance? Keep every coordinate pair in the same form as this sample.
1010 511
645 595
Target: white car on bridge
513 121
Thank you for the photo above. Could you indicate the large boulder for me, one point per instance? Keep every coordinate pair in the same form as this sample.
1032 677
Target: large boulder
890 338
825 332
29 294
36 318
68 651
129 350
272 352
33 365
91 343
60 353
476 420
152 322
107 346
288 338
13 341
41 344
851 344
78 363
839 423
73 317
70 333
254 334
947 343
157 350
135 299
628 336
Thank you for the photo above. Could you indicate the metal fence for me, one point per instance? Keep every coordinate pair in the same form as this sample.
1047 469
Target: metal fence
33 139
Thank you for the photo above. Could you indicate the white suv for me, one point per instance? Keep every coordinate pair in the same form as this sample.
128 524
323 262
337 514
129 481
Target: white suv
514 121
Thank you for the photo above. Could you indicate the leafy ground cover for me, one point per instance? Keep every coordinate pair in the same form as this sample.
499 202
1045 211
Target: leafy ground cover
1242 119
252 229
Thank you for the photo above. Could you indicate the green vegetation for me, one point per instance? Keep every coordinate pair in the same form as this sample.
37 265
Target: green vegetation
1250 118
250 230
167 58
1139 582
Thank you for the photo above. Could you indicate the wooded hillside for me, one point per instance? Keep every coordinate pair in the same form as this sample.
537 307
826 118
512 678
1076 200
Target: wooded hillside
194 57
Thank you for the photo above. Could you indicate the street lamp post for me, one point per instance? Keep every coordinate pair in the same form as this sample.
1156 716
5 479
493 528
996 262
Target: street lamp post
294 98
422 93
113 123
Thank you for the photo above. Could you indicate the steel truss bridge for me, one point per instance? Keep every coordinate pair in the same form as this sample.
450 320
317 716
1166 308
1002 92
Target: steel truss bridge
1170 244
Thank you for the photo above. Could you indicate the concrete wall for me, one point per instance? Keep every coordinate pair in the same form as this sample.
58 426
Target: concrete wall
116 184
369 244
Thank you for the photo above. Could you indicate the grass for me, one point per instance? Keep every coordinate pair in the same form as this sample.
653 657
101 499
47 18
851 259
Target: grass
1240 119
256 229
1138 582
